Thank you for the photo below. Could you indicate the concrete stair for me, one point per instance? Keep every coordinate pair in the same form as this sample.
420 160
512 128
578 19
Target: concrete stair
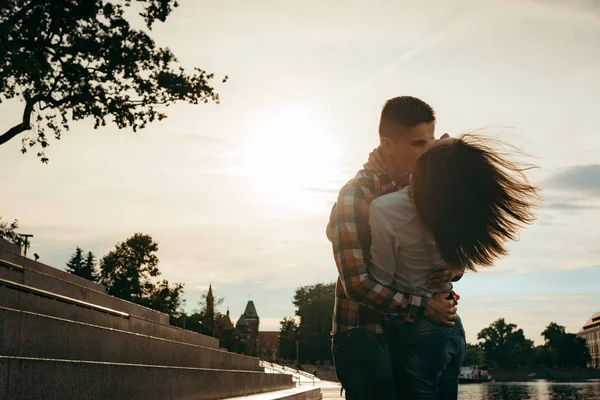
22 297
31 273
24 378
297 393
62 337
27 334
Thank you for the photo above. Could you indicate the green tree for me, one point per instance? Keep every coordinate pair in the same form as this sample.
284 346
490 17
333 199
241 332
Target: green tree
164 298
89 267
229 337
128 272
75 263
67 60
566 348
505 346
85 268
8 232
544 357
288 334
474 355
314 306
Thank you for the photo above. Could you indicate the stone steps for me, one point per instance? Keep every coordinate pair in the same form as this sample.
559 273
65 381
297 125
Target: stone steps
24 378
297 393
31 273
27 334
21 297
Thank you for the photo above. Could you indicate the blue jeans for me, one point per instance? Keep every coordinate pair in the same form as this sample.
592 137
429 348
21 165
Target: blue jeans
427 359
363 365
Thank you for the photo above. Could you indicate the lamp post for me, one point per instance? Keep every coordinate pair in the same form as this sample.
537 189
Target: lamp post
26 241
297 354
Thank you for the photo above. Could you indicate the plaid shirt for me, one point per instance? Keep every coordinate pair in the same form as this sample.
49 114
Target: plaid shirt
360 301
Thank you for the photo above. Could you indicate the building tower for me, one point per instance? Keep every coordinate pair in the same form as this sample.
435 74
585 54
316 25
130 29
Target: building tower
249 325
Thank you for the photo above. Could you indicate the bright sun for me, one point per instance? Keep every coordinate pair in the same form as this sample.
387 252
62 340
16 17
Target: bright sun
292 160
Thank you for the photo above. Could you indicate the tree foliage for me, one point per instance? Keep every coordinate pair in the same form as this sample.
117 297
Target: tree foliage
474 355
314 306
506 346
84 267
68 60
209 321
8 232
566 348
288 334
128 272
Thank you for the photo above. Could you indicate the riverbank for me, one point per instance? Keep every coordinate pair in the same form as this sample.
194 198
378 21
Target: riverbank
550 374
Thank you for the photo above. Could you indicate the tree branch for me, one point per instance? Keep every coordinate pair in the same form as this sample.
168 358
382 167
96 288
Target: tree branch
19 15
25 125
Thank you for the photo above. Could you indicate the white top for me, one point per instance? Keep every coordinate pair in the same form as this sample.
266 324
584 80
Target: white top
403 251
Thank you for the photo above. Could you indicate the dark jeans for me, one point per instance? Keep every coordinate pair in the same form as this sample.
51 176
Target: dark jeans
427 359
363 365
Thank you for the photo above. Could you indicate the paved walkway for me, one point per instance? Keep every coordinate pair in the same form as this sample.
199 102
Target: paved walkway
331 390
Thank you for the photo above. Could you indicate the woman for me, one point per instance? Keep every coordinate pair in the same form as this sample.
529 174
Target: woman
466 199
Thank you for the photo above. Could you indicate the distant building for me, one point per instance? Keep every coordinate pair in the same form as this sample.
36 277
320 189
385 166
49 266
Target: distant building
269 345
591 333
249 325
258 344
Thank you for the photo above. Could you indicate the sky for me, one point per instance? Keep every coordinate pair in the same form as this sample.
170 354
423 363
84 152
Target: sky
238 194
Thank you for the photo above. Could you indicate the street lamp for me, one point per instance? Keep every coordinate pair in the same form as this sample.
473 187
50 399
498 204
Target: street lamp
26 241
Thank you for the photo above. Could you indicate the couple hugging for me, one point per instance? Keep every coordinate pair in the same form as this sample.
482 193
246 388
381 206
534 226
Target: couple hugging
403 229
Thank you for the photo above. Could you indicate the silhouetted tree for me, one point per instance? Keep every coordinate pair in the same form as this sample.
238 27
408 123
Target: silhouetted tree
288 334
229 337
474 355
89 267
314 306
67 60
8 232
127 273
85 268
505 346
75 263
566 348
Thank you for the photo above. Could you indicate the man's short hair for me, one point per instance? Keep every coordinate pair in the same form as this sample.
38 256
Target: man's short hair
406 111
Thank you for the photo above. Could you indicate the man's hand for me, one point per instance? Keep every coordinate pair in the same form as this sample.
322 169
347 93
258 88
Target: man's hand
376 163
441 310
441 276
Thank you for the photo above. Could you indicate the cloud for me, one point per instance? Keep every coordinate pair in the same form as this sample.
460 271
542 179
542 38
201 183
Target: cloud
569 206
580 6
583 179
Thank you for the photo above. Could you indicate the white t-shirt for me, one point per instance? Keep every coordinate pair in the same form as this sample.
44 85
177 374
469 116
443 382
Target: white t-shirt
403 251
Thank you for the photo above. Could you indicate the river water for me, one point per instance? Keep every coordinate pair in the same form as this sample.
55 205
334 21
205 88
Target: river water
536 390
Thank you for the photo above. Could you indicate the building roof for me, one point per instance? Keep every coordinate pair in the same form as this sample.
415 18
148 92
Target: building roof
594 320
250 310
242 325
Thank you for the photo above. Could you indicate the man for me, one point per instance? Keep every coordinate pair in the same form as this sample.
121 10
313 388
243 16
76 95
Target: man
360 350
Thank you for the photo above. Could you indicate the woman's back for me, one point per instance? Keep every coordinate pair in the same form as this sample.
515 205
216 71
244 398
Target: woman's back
403 250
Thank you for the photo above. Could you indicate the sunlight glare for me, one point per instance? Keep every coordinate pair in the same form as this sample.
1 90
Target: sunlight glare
292 160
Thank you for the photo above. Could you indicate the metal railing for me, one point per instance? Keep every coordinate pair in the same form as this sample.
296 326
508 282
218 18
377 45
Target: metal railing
297 374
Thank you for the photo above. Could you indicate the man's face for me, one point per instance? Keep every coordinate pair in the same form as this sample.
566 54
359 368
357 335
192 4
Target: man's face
407 144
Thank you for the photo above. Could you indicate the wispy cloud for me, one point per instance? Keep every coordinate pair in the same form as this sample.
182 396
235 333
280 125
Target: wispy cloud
584 179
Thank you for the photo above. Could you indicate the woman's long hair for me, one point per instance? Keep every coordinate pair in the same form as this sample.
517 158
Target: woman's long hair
474 197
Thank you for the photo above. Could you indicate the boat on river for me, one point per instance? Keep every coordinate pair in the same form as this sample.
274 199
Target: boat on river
474 374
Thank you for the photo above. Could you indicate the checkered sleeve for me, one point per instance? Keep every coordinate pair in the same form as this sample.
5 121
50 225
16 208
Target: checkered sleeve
350 236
